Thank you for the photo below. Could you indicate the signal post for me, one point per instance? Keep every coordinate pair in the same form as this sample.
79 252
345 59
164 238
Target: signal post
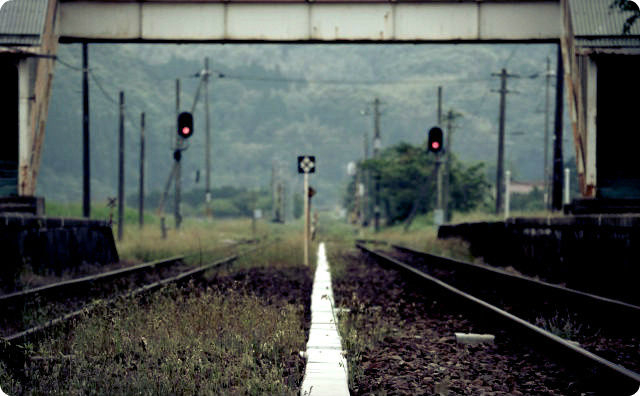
435 145
306 165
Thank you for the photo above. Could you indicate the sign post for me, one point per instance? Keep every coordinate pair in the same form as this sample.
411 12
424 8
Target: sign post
306 165
306 219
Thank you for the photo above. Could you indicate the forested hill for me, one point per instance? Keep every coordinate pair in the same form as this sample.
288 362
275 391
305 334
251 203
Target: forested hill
274 102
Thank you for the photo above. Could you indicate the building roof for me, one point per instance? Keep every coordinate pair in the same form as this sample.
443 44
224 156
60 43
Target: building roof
597 24
22 22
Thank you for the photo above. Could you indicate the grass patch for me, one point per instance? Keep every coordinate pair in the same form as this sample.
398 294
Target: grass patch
564 326
225 335
98 212
194 237
211 342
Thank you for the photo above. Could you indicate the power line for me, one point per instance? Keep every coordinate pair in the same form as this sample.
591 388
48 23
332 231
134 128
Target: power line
70 66
222 75
513 52
101 88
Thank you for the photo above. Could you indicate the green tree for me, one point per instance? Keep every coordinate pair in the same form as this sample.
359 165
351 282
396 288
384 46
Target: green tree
403 168
627 5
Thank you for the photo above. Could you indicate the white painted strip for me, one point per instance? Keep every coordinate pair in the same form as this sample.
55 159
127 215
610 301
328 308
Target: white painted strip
326 370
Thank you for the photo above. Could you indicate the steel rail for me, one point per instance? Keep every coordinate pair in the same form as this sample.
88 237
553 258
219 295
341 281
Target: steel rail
28 334
14 298
627 379
605 304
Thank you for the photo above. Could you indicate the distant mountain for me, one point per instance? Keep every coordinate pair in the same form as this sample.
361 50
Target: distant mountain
270 103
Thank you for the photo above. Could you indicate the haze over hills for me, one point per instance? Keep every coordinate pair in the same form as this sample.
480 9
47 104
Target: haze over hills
274 102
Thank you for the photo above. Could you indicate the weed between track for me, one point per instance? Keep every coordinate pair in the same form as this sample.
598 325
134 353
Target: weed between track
207 342
238 331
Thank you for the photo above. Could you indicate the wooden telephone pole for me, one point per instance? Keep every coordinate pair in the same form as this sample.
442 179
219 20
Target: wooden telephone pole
178 170
500 168
450 118
207 158
121 169
377 144
86 164
141 179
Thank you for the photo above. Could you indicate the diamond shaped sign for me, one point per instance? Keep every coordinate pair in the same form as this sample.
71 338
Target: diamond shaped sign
306 164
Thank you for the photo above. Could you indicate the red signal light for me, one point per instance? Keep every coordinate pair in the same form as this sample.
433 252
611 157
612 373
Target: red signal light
185 125
435 140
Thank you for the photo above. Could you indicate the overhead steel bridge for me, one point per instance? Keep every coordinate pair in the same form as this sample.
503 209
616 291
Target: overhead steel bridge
310 21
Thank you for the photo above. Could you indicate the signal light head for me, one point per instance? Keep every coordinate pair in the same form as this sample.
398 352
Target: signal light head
185 125
435 140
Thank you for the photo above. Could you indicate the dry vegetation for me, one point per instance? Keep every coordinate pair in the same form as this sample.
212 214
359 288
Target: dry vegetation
238 331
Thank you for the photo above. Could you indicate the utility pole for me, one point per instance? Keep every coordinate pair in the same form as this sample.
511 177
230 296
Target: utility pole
274 196
141 186
450 118
439 106
366 182
507 193
376 152
283 204
253 213
86 165
359 209
500 169
207 158
121 169
567 186
178 180
438 170
557 146
546 136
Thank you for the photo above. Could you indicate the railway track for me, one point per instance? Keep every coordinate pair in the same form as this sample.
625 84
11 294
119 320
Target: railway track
79 304
26 308
601 310
619 380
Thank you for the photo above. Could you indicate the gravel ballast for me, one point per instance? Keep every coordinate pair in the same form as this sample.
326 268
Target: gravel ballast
400 339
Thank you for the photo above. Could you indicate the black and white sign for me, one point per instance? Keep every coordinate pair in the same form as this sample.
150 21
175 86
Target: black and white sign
306 164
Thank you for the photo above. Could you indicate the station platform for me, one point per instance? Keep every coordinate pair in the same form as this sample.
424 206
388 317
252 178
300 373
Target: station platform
52 244
593 253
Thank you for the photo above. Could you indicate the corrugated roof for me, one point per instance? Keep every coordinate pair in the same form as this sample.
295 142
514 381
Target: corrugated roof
22 22
597 18
611 42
